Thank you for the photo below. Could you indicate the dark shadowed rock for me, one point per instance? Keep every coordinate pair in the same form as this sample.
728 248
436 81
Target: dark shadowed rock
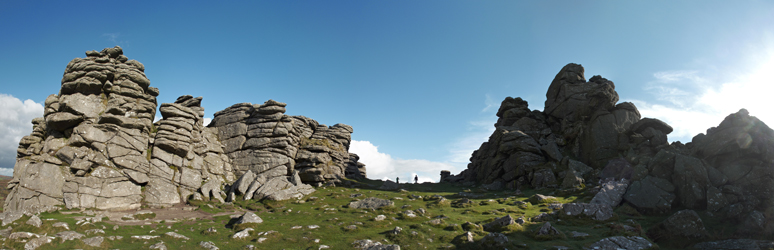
683 224
622 243
598 212
736 244
651 195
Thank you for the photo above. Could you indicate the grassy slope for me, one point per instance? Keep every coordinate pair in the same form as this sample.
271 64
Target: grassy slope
330 213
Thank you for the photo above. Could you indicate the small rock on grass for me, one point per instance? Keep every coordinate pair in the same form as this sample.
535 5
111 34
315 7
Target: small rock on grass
95 231
622 242
208 245
34 221
176 235
69 235
37 242
62 225
249 217
242 234
95 241
160 246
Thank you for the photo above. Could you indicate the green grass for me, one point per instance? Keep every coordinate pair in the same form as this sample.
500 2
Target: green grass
329 211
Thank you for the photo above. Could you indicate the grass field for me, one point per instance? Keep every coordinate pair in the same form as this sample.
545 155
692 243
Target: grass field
323 218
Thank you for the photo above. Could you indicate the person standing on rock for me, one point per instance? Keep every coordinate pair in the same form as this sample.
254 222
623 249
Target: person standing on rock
416 179
397 180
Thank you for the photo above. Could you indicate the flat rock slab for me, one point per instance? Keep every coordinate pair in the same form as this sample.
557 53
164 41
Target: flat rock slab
371 203
598 212
622 243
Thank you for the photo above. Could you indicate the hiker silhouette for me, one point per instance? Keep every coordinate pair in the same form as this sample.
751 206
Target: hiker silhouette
416 179
397 180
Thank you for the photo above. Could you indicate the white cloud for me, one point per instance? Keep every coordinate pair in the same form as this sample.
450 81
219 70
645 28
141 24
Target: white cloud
490 103
6 171
694 111
383 166
15 122
207 121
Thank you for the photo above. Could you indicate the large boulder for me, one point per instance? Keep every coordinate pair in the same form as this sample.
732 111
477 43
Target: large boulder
685 224
570 96
651 195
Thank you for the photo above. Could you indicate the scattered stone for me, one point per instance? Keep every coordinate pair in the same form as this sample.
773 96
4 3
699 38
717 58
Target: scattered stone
34 221
396 230
539 199
160 245
95 231
622 242
313 227
144 237
499 223
208 245
611 193
380 217
176 235
38 242
371 203
248 217
97 241
600 212
62 225
242 234
548 230
69 235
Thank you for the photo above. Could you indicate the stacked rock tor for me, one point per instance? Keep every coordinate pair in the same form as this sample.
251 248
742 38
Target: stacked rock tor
584 136
269 143
97 146
186 156
91 148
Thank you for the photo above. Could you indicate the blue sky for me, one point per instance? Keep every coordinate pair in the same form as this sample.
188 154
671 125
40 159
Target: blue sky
420 81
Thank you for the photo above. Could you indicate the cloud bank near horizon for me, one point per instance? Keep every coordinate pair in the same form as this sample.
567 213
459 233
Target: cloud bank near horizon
692 102
15 122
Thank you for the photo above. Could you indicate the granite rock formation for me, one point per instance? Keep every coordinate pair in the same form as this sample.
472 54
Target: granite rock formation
584 136
97 146
264 140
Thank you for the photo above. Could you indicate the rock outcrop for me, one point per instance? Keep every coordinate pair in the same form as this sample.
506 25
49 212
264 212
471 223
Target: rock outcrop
90 150
264 140
97 146
585 137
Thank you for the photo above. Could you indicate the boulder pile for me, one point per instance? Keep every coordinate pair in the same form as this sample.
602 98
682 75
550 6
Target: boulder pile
98 147
585 137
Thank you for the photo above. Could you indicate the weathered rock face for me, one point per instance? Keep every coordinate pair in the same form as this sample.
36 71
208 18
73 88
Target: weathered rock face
97 146
93 140
185 156
262 139
534 148
584 136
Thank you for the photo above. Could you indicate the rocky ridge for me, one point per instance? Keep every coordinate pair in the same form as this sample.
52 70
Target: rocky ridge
585 137
97 146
